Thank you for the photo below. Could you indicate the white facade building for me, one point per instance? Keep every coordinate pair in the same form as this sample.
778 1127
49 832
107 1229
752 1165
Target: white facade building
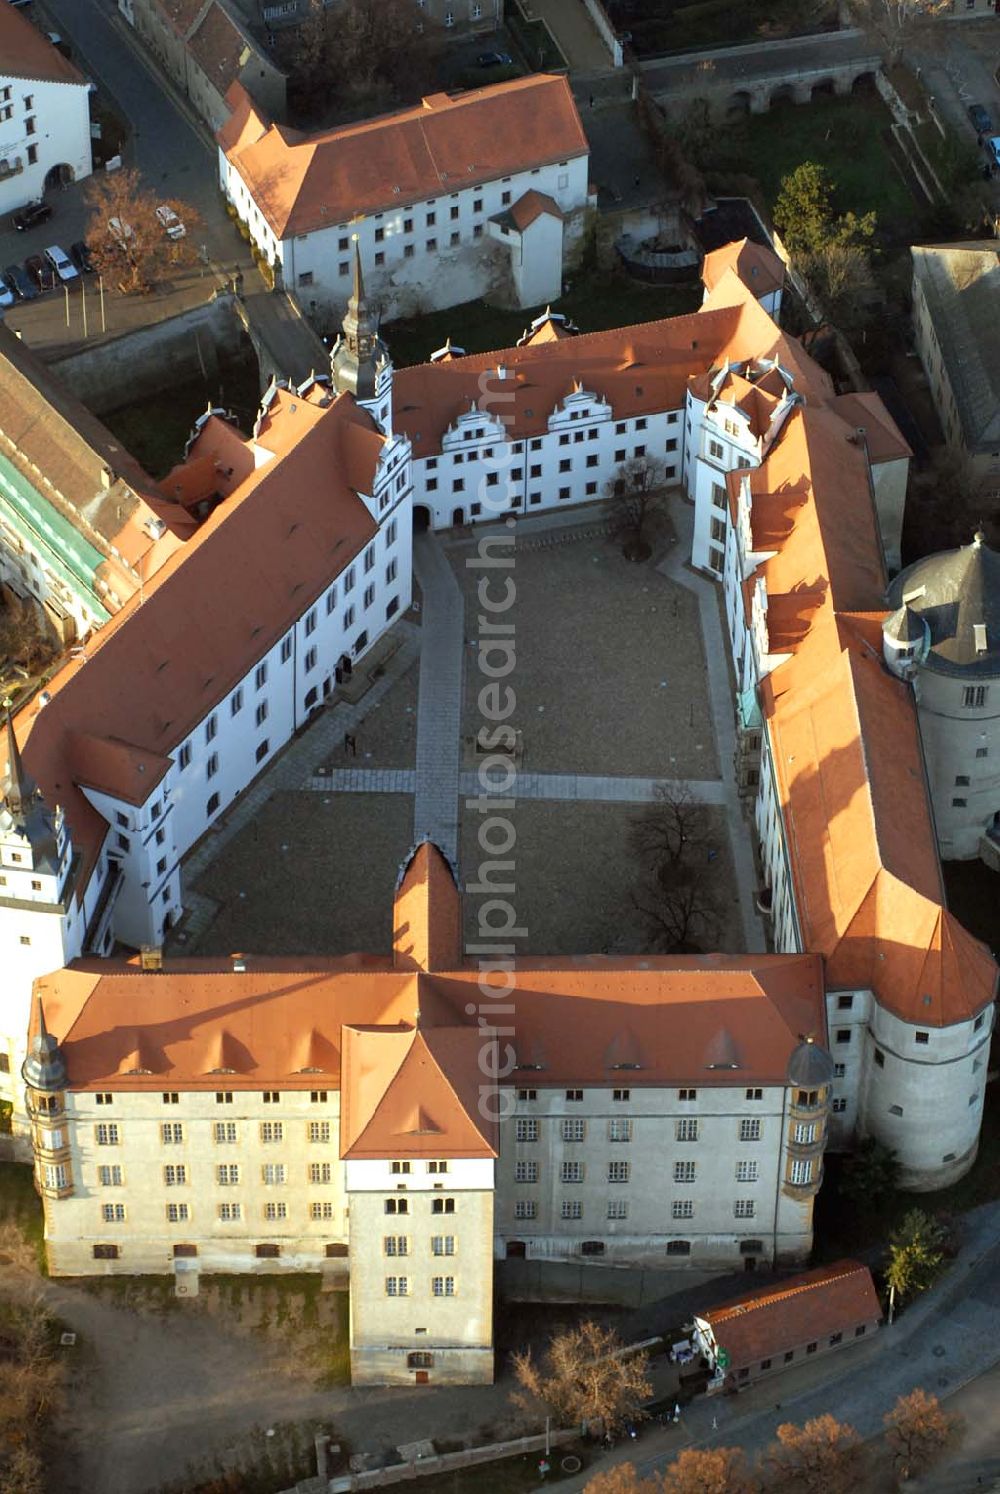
479 193
44 114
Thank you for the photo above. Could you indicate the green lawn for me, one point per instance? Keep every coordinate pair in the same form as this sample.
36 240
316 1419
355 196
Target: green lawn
847 136
595 300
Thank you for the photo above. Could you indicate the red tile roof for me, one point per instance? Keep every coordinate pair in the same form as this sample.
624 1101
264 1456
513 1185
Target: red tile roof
806 1309
302 183
25 52
151 674
532 205
757 266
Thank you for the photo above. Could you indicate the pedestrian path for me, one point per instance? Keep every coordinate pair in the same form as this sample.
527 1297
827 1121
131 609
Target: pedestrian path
588 787
439 711
721 700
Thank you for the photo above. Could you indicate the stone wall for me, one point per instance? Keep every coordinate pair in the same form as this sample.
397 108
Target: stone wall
150 360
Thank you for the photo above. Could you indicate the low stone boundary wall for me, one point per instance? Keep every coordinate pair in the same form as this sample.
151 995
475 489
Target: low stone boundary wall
608 36
149 360
472 1457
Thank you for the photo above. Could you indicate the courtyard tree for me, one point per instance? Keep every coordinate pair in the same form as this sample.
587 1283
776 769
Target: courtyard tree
916 1253
309 58
368 52
870 1175
823 1456
709 1470
127 241
674 892
917 1431
585 1376
841 279
635 495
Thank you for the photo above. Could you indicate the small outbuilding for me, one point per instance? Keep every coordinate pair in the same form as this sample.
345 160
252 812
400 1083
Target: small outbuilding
768 1330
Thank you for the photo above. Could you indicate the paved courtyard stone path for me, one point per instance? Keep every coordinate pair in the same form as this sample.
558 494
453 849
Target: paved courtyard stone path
439 712
584 786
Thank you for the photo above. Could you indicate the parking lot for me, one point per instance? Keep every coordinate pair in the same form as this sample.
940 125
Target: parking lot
176 159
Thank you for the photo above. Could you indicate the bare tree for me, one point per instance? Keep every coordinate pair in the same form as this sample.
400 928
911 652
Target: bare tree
893 21
710 1470
822 1457
26 639
840 277
586 1376
370 52
674 892
673 827
128 243
635 493
917 1431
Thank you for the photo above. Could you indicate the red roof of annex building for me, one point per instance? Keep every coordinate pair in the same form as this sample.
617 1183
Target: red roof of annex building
301 183
803 1310
399 1035
215 606
757 266
25 52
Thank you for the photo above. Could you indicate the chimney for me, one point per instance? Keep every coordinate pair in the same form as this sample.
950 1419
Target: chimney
108 477
151 957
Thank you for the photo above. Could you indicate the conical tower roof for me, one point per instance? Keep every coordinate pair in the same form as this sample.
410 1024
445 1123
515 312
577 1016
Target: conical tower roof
23 814
904 626
957 593
20 791
44 1067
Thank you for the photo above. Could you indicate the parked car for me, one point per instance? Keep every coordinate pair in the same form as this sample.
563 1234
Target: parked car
21 284
169 222
61 263
38 271
7 296
981 121
32 216
119 230
80 255
993 149
494 59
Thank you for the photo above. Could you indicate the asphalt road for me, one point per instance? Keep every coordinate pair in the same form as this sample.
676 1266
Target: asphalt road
176 157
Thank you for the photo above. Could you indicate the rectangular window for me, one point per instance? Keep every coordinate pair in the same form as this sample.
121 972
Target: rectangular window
805 1133
113 1213
105 1252
286 649
320 1172
171 1133
571 1210
686 1130
212 765
572 1172
755 1094
443 1286
224 1132
525 1208
260 675
684 1172
397 1206
619 1172
801 1171
109 1177
227 1175
106 1135
184 755
526 1172
271 1131
319 1131
272 1174
619 1130
574 1130
974 696
744 1208
175 1175
617 1208
396 1245
525 1129
442 1245
236 702
170 1097
178 1213
442 1206
273 1211
687 1094
397 1286
750 1130
746 1172
682 1208
439 1167
321 1210
621 1094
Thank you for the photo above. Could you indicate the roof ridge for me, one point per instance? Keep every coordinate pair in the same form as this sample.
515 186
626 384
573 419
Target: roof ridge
770 1296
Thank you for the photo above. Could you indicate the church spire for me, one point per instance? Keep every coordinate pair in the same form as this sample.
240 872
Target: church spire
20 790
359 354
